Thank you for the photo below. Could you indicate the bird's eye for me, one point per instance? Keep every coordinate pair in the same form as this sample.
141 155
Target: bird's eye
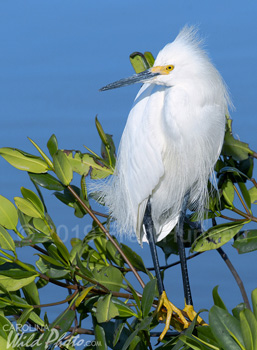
169 68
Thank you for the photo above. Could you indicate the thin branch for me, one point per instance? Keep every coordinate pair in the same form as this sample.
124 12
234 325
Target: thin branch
107 234
235 275
92 281
228 218
233 271
254 182
99 214
239 212
58 302
241 200
164 267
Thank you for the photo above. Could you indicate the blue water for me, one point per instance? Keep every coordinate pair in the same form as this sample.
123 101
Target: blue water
54 57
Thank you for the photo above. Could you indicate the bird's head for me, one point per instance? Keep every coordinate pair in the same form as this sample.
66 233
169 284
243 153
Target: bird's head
179 61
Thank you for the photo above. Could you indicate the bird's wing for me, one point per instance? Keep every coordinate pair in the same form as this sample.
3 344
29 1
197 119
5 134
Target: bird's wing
139 164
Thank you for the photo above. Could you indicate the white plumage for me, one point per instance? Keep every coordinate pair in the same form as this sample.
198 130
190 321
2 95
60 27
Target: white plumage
172 139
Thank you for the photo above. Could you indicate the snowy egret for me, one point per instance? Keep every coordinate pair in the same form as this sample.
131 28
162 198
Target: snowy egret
171 142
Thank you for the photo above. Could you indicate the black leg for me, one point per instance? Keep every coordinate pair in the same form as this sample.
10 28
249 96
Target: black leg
151 234
182 254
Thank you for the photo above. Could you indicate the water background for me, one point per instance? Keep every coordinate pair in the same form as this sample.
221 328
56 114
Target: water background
54 57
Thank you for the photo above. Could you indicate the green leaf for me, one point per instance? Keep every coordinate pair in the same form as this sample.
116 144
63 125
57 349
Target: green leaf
246 242
47 181
228 192
217 299
226 329
24 316
27 207
44 156
101 132
8 214
229 169
150 59
110 277
41 225
50 260
34 199
148 297
217 236
64 322
61 247
31 294
236 310
249 329
24 161
238 150
106 310
6 241
12 284
253 194
52 145
245 193
134 258
123 309
7 332
144 325
139 62
254 302
33 239
83 163
62 167
193 343
99 336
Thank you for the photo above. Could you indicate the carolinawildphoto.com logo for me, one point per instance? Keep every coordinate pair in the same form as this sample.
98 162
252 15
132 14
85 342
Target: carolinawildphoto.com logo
27 336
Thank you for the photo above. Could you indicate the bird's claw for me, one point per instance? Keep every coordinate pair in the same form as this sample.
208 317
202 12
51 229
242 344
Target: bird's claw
164 302
190 312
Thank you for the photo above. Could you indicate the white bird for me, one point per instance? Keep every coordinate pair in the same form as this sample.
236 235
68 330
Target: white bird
172 139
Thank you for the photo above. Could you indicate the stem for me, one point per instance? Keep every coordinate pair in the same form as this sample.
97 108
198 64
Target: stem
235 275
234 272
107 235
247 216
58 302
254 182
228 218
241 200
92 281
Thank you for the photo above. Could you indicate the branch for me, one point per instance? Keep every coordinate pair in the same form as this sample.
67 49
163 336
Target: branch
241 200
234 272
107 234
235 275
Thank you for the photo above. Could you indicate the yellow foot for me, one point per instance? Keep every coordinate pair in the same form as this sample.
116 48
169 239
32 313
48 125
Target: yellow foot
164 302
190 312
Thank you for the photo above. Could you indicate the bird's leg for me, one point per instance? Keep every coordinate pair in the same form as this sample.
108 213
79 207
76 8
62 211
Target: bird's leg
189 309
163 301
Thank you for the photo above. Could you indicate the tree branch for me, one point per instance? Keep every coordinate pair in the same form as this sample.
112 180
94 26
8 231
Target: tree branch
107 234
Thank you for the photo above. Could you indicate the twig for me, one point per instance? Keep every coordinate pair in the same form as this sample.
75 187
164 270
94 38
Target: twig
99 214
241 200
58 302
233 271
107 234
228 218
236 276
239 212
164 267
254 182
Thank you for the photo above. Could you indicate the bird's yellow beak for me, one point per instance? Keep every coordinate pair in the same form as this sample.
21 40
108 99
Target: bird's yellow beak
143 77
